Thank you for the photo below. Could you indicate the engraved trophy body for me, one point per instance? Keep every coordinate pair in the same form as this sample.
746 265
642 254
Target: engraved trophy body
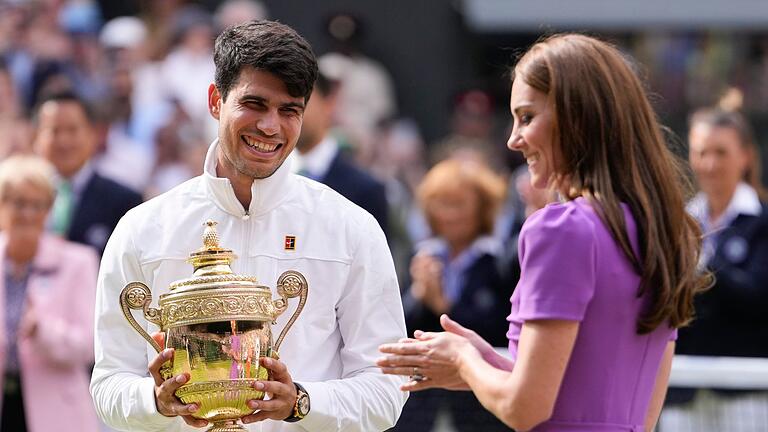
219 325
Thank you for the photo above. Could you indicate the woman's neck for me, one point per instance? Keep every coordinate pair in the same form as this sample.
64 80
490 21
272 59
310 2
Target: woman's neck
20 252
455 248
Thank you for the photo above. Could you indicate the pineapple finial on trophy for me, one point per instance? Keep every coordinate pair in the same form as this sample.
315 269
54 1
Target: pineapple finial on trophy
210 235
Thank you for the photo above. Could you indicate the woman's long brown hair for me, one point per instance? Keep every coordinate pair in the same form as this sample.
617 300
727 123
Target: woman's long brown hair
611 148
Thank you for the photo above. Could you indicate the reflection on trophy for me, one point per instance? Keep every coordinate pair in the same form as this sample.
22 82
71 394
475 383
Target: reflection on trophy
219 325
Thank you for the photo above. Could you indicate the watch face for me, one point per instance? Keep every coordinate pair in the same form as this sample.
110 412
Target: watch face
302 404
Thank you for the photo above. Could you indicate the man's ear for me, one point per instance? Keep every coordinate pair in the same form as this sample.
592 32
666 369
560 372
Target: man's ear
214 101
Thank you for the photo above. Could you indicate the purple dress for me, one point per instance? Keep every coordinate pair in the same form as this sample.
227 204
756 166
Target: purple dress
572 269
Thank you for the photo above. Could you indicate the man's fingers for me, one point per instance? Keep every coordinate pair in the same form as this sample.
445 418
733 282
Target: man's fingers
194 422
172 384
278 368
275 388
157 362
159 337
166 397
257 417
268 405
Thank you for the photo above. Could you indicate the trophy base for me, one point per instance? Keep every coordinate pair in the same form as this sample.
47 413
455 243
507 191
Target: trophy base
226 426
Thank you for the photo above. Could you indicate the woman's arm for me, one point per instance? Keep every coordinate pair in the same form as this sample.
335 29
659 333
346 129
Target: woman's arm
660 388
526 396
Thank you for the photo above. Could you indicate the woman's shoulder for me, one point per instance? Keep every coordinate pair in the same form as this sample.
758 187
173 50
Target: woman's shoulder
575 220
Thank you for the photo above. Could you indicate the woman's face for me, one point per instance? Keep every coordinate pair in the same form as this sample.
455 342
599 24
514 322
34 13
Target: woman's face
455 213
23 212
718 158
533 132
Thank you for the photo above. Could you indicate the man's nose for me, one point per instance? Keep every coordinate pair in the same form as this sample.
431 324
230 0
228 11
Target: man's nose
269 123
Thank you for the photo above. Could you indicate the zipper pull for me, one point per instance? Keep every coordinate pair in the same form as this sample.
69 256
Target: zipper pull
246 216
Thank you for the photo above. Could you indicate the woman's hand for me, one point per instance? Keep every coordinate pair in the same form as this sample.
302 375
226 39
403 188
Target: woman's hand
488 352
434 358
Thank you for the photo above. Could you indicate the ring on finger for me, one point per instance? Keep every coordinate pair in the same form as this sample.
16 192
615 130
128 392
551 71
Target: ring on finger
417 376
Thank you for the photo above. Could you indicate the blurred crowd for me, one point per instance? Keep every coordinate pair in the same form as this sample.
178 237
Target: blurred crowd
116 112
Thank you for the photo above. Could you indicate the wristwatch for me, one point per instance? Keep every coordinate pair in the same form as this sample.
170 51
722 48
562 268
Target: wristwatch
301 407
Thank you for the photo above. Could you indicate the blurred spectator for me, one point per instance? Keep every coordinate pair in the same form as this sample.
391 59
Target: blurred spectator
522 201
137 104
87 206
318 156
189 65
457 272
400 163
180 152
731 318
366 94
47 290
232 12
471 135
15 131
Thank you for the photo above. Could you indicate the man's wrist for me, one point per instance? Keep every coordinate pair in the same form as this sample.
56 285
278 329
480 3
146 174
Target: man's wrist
301 407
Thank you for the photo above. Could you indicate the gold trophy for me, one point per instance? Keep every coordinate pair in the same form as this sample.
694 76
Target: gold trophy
219 325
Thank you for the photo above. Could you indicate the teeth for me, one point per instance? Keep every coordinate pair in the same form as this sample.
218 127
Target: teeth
260 146
532 159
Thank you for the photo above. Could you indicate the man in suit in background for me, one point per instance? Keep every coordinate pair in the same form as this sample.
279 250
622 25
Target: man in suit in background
88 206
319 158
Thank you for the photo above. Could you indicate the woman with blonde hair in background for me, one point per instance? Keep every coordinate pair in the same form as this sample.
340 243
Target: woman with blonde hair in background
607 276
457 271
732 317
47 290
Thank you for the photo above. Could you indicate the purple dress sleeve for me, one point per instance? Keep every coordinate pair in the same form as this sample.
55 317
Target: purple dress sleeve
558 250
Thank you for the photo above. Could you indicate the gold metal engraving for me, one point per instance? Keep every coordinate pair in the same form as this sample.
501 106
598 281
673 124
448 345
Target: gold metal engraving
219 325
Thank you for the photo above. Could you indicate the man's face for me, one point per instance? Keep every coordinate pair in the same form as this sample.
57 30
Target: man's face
259 124
64 136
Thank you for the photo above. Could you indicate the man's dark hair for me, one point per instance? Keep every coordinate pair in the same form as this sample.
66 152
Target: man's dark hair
64 96
268 46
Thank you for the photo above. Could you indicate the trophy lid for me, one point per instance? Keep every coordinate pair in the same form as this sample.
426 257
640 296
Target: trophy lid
212 266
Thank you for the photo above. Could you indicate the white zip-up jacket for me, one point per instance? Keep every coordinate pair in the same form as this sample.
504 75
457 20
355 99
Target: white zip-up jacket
353 303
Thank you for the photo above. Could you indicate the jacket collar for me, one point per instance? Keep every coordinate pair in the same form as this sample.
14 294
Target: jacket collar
745 201
266 194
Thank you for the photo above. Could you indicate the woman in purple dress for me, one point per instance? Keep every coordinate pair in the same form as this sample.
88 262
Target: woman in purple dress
607 276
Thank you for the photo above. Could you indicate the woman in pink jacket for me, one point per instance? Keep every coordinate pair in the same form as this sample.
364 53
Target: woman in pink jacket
47 289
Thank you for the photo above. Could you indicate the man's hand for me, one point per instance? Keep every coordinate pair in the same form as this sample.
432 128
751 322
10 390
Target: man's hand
281 391
166 401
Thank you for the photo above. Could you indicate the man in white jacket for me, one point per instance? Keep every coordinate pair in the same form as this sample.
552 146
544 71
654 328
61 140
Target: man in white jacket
264 76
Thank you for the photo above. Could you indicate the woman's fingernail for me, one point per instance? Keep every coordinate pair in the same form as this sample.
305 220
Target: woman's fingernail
253 404
181 379
192 407
259 386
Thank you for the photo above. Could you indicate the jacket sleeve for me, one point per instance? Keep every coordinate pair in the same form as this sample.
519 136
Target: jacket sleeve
741 286
122 390
71 331
369 313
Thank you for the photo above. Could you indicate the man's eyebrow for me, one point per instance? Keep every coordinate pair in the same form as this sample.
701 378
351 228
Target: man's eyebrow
252 98
298 105
261 99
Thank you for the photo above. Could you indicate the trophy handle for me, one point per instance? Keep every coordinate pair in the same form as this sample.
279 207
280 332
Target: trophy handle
136 295
290 284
